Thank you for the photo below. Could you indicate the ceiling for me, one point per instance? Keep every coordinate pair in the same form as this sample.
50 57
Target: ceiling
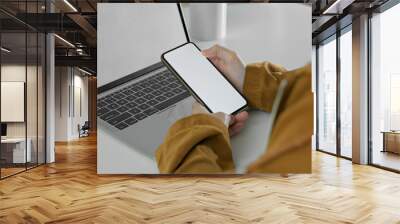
76 22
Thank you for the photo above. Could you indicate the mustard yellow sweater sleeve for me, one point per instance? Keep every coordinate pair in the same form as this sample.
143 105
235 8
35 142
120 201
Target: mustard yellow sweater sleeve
261 84
196 144
289 148
200 143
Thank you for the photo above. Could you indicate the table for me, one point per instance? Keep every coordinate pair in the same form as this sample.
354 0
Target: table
391 141
13 150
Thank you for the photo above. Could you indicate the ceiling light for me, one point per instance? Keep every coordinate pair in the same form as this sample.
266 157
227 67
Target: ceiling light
70 5
84 71
337 7
5 50
65 41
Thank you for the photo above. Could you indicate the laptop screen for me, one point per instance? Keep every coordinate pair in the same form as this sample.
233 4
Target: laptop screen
133 36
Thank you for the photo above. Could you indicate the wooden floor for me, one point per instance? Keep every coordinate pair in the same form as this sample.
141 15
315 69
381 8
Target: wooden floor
5 172
70 191
387 159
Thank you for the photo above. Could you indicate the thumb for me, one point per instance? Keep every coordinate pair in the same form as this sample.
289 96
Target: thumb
211 52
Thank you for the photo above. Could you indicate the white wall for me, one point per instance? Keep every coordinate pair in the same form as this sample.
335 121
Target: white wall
16 72
69 82
33 126
79 117
285 31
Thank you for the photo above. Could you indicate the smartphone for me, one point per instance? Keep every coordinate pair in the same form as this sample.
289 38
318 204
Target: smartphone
206 83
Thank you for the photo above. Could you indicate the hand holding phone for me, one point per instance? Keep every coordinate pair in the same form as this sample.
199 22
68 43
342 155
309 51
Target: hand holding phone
206 83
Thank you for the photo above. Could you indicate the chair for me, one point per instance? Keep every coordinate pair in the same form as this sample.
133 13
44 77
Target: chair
84 130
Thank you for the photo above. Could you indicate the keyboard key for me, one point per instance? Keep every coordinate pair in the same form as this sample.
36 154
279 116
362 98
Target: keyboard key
147 90
140 116
134 111
121 126
119 96
155 86
173 85
161 98
130 98
122 102
131 105
172 101
140 101
119 118
128 92
171 79
164 83
112 106
102 111
110 100
139 94
101 104
109 115
152 102
144 85
160 77
122 109
169 94
130 121
165 89
156 92
149 96
135 88
143 106
177 90
150 111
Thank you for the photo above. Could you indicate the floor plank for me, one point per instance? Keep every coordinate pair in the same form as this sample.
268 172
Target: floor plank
70 191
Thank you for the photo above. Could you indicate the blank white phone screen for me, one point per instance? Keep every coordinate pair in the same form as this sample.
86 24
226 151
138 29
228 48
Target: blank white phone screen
204 79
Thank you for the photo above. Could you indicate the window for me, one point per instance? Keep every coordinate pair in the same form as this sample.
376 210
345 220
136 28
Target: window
346 93
22 66
327 96
385 89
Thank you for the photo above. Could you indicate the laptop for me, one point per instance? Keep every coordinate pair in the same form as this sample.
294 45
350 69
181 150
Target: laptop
135 109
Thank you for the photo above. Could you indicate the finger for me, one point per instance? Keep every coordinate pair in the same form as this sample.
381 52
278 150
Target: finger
242 116
218 51
235 129
216 61
211 52
237 126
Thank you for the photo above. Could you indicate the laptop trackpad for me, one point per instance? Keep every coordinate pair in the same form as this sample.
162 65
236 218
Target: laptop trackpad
252 141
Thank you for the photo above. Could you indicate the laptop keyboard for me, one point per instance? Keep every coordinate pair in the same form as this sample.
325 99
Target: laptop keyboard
135 102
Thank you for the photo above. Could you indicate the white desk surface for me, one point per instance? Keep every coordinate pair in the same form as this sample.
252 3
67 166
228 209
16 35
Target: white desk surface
13 140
